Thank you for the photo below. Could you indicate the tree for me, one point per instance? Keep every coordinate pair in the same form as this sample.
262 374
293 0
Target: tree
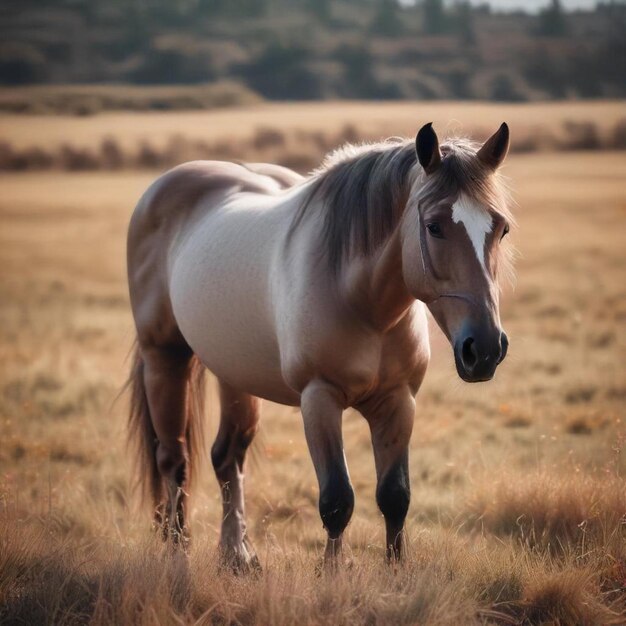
322 9
435 20
464 22
552 20
386 20
233 8
280 72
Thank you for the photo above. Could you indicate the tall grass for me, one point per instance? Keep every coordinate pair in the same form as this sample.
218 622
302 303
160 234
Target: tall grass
552 512
450 577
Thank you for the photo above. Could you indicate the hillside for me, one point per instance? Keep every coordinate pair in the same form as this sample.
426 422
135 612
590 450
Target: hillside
299 49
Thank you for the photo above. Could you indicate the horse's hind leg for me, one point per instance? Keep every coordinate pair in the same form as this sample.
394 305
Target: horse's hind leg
166 371
238 425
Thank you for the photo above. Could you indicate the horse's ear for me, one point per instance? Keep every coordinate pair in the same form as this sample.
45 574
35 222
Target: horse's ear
427 146
495 148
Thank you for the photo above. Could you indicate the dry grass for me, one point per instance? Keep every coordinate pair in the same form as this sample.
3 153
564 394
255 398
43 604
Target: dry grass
448 579
299 150
94 99
518 505
552 511
536 122
295 135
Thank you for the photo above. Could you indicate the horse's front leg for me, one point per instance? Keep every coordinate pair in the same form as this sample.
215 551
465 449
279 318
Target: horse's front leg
322 406
391 422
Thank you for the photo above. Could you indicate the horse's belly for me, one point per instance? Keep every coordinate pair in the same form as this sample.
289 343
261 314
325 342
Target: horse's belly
219 293
253 377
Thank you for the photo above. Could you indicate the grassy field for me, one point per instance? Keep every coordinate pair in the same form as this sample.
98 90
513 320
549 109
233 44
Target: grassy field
518 503
296 135
371 118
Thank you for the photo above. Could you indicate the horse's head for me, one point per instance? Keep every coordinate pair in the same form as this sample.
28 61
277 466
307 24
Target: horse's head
452 245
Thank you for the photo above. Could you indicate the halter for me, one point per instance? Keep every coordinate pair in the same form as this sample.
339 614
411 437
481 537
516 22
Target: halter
424 254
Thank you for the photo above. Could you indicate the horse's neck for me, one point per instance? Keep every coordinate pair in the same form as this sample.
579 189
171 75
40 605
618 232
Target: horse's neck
375 285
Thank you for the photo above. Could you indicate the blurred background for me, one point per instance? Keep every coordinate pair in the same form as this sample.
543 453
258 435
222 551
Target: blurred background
87 57
518 490
502 50
82 58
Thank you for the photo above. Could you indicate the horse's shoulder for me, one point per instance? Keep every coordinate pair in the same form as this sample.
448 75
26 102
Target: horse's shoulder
406 349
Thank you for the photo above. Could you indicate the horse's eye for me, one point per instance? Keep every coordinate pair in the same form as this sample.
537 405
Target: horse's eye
434 228
505 232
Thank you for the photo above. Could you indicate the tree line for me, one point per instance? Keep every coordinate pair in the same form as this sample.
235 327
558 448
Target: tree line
311 49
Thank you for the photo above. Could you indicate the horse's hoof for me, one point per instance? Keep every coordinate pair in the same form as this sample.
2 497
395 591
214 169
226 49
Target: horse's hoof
329 565
160 524
179 541
174 540
240 561
255 565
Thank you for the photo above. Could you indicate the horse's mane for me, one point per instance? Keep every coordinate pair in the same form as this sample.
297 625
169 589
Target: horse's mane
365 188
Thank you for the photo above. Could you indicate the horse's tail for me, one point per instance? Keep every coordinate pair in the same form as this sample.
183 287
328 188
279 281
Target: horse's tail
141 433
196 441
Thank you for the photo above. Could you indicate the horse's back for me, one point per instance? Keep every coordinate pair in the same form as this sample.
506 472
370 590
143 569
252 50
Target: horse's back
175 194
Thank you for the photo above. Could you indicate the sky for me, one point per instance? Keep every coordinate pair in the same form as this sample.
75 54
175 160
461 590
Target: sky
535 5
528 5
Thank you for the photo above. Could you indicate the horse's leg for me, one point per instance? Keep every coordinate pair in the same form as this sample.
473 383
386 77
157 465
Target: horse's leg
391 421
238 425
166 371
322 407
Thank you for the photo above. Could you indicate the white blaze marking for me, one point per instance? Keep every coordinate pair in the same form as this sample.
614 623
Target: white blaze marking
477 222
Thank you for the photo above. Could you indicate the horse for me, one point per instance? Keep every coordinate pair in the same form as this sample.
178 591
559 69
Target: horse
310 292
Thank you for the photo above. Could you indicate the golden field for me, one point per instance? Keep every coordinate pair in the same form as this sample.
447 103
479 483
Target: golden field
518 492
297 136
370 118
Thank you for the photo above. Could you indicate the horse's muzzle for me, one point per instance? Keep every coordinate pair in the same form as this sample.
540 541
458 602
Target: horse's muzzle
477 355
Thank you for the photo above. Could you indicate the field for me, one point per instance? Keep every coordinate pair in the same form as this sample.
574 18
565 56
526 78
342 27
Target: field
518 491
295 136
369 118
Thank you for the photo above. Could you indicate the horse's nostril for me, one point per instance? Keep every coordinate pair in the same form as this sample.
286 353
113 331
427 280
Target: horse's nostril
504 346
469 353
